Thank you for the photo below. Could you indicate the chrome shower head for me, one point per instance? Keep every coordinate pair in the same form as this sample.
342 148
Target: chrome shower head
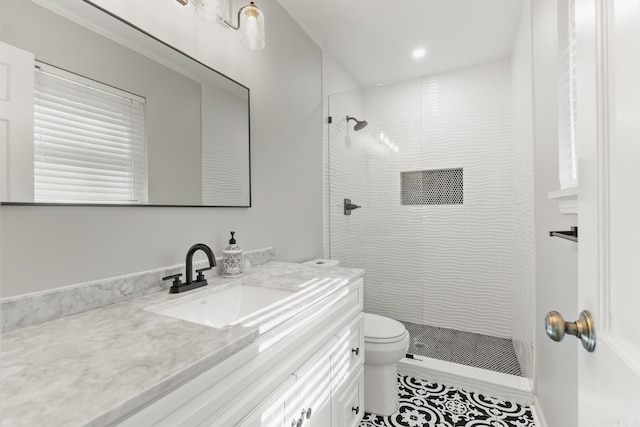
360 124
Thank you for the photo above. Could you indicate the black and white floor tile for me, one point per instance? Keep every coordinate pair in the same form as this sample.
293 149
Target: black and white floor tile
466 348
427 404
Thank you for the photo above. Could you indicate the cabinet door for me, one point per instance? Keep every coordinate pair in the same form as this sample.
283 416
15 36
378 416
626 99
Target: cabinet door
272 411
350 402
314 389
349 352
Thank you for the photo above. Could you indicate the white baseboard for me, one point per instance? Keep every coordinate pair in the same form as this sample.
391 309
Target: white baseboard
538 414
495 384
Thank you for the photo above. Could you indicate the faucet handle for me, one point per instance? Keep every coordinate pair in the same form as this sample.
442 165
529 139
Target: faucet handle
176 279
200 275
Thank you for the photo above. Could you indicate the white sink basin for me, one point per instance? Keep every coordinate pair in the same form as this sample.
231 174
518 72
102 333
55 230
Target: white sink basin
224 307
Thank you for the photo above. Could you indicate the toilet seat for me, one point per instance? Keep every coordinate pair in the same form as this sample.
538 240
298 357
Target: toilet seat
381 330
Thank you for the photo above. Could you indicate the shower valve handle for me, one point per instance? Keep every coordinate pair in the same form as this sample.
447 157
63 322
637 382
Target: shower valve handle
348 206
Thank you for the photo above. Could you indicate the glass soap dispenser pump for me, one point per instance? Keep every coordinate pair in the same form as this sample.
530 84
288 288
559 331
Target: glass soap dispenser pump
232 259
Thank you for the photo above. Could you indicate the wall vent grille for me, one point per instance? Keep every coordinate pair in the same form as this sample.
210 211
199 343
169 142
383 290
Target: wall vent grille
432 187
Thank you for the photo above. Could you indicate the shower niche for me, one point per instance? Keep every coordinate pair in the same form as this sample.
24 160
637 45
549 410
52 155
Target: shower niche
432 187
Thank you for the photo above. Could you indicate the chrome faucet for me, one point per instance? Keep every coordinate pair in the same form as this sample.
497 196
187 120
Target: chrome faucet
200 281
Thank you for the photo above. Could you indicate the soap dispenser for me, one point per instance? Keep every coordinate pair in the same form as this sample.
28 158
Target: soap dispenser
232 259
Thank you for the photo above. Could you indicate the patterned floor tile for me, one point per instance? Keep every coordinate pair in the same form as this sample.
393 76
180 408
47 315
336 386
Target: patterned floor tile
427 404
466 348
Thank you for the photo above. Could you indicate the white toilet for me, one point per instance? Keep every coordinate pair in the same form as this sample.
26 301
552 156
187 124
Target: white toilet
386 341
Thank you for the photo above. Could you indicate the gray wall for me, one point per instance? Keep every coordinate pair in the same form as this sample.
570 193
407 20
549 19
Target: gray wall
48 247
556 260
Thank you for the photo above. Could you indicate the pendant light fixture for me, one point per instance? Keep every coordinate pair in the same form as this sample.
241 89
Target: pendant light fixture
250 21
251 26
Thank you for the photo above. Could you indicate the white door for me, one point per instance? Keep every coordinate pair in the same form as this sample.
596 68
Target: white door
16 124
609 208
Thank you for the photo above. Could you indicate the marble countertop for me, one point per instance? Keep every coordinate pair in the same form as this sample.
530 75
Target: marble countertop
94 367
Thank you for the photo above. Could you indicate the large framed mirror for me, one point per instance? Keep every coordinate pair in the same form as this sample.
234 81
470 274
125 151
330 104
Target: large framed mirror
195 121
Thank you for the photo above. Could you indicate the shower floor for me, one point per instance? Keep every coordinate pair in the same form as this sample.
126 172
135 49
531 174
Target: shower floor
465 348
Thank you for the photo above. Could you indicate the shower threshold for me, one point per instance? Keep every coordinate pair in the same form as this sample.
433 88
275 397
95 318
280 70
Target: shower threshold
465 348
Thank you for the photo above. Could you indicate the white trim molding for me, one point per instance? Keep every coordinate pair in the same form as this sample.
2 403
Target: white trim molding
496 384
538 415
567 199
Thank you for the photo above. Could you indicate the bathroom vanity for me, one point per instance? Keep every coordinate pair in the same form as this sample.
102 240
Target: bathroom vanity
297 361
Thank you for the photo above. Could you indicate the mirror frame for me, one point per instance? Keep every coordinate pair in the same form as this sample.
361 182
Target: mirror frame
147 34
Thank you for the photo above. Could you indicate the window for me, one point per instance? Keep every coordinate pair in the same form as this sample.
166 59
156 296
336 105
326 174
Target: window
90 141
568 96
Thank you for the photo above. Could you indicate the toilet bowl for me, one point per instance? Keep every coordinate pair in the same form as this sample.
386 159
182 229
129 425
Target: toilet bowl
386 341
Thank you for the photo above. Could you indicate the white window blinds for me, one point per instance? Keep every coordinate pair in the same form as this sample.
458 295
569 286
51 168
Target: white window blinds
90 141
568 96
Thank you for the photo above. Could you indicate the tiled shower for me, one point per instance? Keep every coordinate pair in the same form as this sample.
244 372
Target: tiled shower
437 173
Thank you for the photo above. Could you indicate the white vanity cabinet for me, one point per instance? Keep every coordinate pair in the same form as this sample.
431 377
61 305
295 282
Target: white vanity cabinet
316 394
305 372
304 399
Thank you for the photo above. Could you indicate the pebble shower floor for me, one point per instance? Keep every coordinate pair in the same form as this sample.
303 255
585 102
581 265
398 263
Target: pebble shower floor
427 404
466 348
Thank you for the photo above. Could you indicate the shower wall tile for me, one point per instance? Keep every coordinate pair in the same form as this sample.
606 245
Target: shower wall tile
393 259
347 167
468 269
524 250
394 238
464 273
392 290
450 266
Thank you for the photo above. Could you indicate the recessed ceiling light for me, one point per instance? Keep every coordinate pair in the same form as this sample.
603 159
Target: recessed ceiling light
419 53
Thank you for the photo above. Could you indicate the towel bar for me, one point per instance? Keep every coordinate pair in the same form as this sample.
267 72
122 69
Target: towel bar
568 235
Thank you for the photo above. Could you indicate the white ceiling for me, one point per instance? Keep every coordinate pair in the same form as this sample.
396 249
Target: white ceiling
374 39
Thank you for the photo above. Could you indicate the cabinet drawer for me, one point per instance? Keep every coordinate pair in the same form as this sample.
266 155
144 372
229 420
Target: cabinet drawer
349 352
350 402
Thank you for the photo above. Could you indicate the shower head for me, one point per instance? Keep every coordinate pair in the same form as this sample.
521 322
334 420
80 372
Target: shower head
360 124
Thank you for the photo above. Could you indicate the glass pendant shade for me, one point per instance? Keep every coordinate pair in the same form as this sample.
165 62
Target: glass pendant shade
209 10
252 27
